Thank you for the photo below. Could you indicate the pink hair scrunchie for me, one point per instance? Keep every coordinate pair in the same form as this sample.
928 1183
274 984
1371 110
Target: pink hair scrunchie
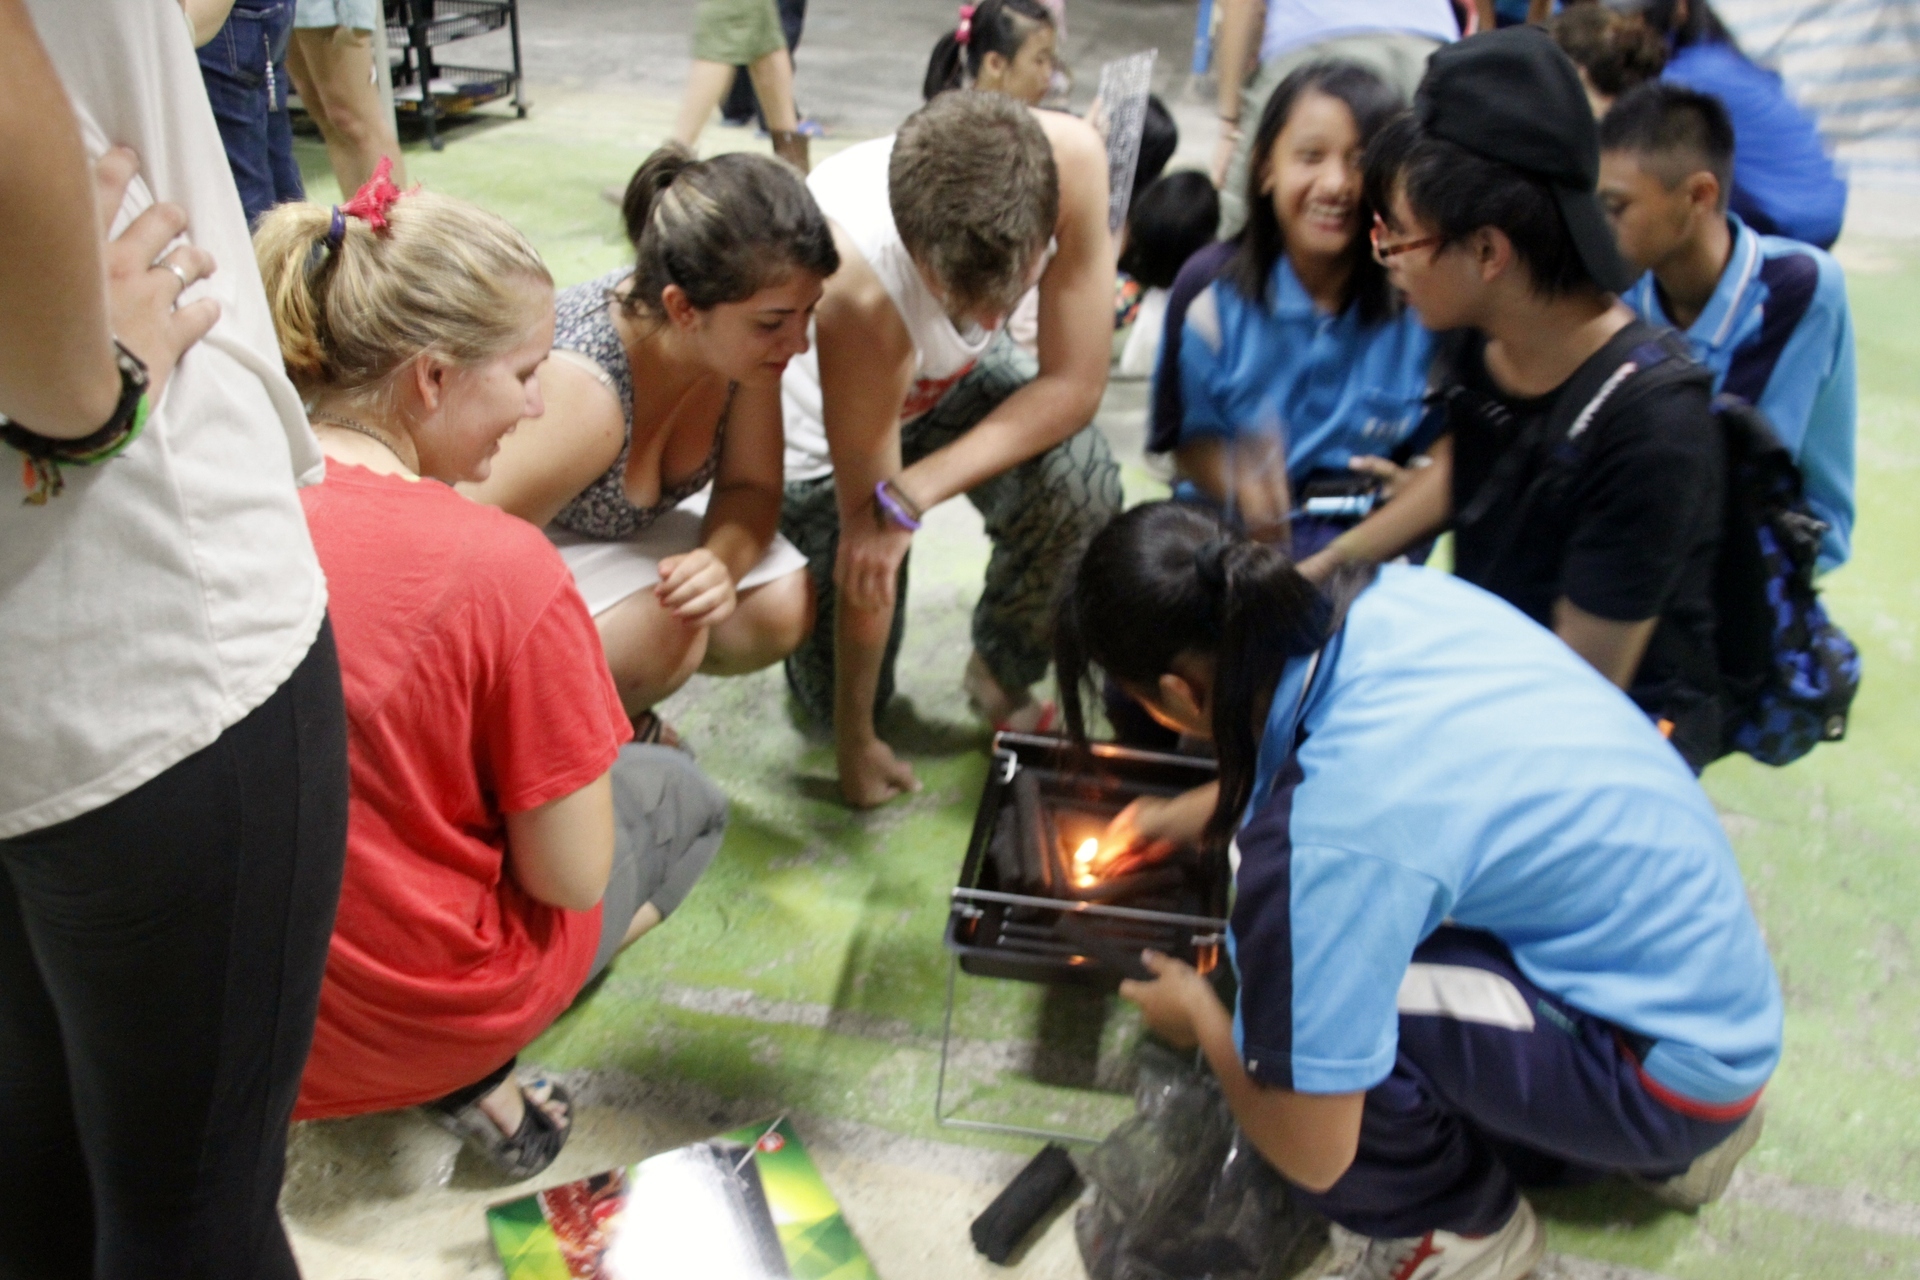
964 32
371 202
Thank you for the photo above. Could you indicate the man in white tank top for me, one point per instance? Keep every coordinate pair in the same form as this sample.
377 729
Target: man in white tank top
913 394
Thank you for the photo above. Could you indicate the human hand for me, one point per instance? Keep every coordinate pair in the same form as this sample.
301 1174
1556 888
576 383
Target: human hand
1145 831
696 588
142 294
1173 1001
871 775
1319 566
1392 476
867 566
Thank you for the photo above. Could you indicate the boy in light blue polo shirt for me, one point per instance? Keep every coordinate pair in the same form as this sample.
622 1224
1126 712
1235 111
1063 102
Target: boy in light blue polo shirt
1768 315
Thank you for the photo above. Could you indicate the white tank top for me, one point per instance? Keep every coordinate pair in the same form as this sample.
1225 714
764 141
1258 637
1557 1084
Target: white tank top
851 189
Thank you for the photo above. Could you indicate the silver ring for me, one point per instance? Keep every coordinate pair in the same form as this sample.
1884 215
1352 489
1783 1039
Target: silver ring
186 282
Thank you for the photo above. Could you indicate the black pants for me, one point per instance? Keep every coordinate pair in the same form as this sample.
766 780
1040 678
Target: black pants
160 965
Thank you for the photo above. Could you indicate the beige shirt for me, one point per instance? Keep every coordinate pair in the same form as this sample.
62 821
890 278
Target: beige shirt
170 591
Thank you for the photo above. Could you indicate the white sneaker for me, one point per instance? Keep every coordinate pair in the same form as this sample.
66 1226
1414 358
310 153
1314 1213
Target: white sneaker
1706 1178
1508 1254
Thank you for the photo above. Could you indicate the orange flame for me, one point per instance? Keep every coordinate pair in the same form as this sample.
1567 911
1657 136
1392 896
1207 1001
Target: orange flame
1083 859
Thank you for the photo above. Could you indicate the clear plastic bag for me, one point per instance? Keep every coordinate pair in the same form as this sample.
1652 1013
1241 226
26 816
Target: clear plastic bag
1180 1194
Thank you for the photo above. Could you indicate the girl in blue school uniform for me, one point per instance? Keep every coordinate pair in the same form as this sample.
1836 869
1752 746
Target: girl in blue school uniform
1484 918
1287 360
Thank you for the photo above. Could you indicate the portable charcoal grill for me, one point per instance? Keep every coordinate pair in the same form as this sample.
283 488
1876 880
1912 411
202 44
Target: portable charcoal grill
1026 909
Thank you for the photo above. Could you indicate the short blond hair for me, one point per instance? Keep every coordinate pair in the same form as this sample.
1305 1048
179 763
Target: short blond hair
444 276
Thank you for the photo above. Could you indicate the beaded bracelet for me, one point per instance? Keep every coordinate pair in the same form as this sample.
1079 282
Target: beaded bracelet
43 456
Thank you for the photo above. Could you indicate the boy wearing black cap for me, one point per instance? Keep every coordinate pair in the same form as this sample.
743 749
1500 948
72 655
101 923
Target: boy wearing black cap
1589 500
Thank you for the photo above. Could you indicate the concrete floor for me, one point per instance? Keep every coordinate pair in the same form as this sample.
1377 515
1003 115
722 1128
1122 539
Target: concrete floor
806 972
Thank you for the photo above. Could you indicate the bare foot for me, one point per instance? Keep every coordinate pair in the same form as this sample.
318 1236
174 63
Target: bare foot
506 1106
992 703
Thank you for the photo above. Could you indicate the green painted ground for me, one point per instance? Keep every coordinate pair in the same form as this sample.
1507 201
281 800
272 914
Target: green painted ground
807 969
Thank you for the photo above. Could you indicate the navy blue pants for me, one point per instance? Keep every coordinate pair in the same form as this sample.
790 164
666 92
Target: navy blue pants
245 70
1496 1085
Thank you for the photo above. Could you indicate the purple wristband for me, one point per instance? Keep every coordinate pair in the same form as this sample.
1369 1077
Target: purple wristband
894 510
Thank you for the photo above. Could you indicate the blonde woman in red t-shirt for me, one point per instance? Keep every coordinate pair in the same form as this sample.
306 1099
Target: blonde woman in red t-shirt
503 844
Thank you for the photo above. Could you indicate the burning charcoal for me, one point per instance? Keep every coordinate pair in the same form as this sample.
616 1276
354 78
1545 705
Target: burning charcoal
1037 869
1120 955
1005 850
1138 885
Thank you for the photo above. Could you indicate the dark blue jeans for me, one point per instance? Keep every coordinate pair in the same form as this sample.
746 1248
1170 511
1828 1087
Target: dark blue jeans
1474 1107
245 70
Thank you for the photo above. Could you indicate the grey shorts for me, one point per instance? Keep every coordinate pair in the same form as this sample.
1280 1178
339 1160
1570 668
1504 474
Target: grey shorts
668 820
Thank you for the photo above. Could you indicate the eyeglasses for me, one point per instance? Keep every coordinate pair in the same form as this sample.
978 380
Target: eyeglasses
1381 251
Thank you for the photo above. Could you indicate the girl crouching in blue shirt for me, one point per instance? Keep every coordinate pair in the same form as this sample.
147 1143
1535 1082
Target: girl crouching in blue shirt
1482 910
1287 359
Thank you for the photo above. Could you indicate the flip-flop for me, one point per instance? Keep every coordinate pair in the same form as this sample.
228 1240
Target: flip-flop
530 1148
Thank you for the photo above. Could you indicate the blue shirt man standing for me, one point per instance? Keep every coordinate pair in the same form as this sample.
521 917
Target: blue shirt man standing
1767 314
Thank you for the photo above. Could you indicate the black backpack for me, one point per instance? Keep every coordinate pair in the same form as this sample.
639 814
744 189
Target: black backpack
1787 675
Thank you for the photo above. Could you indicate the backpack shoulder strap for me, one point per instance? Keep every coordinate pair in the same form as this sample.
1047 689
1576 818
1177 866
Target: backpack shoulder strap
1574 410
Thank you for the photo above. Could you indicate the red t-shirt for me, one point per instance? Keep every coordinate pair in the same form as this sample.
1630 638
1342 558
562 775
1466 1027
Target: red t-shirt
475 687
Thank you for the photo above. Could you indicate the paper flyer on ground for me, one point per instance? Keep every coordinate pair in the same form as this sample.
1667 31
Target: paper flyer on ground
747 1205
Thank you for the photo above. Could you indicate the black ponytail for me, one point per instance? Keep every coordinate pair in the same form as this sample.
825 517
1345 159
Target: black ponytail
946 69
1167 579
995 26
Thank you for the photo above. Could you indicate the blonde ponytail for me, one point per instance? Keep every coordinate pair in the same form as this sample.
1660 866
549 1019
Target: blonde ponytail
445 276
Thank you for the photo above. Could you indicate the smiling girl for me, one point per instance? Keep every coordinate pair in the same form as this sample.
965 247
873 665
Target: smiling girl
1288 359
502 844
666 383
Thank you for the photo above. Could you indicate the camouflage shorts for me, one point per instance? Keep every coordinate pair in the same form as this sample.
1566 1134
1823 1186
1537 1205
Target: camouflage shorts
1040 516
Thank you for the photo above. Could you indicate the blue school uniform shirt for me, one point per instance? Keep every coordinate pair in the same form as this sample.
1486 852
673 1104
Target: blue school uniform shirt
1462 764
1784 182
1330 386
1778 333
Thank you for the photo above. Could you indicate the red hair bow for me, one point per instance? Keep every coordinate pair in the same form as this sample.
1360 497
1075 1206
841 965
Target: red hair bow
371 202
964 31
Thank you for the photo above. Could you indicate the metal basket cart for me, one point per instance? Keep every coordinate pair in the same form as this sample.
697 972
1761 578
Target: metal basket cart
427 89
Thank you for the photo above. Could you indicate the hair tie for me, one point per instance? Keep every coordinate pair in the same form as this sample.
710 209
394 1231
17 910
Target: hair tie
337 229
1210 563
370 203
964 32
